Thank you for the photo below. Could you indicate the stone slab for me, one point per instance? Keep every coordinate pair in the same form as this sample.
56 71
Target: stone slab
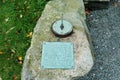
74 12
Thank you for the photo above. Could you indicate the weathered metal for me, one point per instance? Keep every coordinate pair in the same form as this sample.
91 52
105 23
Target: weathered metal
57 55
62 27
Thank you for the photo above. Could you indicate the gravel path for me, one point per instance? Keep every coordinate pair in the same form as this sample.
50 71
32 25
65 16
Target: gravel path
104 26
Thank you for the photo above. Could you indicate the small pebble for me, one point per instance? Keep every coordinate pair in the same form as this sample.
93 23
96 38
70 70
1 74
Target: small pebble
93 74
101 68
113 48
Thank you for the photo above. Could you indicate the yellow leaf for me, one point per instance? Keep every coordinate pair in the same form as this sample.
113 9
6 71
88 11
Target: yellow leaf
20 58
1 52
29 34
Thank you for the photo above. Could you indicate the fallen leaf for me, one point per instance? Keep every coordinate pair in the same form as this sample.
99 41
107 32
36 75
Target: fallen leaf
20 62
14 77
25 2
1 52
7 19
9 30
29 35
20 58
13 50
87 12
6 44
21 15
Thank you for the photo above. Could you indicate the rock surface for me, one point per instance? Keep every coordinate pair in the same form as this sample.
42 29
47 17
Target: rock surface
73 11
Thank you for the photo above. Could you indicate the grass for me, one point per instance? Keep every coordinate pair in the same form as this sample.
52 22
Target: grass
17 20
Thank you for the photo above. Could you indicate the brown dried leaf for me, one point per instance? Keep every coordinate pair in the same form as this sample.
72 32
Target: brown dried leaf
14 77
20 62
87 12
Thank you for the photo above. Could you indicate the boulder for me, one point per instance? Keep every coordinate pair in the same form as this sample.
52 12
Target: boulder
73 11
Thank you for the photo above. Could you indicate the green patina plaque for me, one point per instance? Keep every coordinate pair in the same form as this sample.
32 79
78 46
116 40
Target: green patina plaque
57 55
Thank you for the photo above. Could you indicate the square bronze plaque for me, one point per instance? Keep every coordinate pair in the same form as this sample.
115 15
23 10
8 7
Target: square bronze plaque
57 55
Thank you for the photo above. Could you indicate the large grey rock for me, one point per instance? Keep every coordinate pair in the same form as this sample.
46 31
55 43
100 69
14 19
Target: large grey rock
73 11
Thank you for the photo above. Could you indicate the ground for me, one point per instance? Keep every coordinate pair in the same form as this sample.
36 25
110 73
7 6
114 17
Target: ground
104 26
17 20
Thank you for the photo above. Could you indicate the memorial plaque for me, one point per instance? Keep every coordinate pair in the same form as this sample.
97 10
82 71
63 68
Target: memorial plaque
57 55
